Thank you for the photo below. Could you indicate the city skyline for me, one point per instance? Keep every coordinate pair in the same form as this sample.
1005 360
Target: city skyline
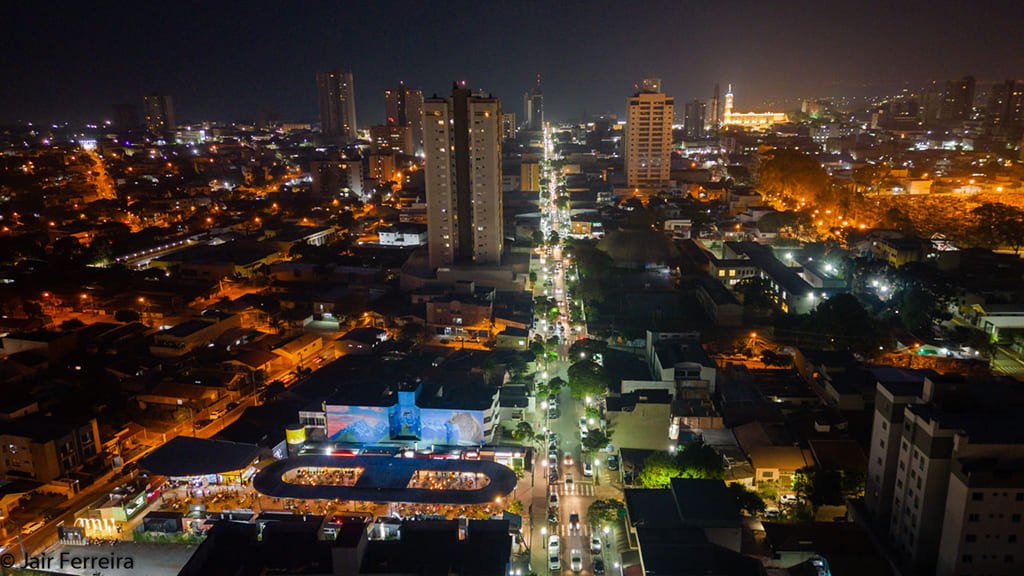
215 71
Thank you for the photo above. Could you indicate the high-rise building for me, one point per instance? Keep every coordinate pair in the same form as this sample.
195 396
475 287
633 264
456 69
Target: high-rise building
404 107
1005 108
335 176
337 106
529 177
716 106
533 108
509 129
944 476
649 138
159 113
463 176
392 137
958 100
693 120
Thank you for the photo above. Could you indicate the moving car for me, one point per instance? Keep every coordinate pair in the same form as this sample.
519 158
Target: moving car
576 560
32 526
598 566
554 562
553 500
595 544
569 485
568 460
574 521
552 475
588 468
214 415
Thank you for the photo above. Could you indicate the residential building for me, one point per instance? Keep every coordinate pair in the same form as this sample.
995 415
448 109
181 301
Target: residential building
509 129
649 138
463 178
693 120
529 177
45 448
404 107
333 177
337 106
392 137
381 166
533 108
159 113
1005 109
958 100
403 234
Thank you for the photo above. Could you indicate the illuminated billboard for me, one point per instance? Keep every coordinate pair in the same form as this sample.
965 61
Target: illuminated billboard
360 424
454 427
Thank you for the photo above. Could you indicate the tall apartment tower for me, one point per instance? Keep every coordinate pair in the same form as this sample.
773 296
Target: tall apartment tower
404 107
159 113
958 99
715 119
533 107
649 137
1005 108
463 175
693 120
337 105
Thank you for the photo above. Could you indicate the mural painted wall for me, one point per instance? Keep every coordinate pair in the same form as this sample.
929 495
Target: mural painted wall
405 421
444 426
364 424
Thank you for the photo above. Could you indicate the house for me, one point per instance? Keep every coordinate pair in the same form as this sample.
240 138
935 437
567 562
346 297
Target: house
45 448
359 341
182 338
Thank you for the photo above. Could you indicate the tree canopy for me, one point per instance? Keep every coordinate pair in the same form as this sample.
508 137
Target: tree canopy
588 378
792 176
697 460
605 511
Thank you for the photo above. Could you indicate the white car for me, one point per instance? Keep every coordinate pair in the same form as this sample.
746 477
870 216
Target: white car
583 423
554 562
588 468
569 485
553 500
554 544
595 544
576 560
33 526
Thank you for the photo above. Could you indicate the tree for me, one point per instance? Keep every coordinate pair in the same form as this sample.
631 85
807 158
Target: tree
698 460
587 347
537 237
659 470
588 378
126 316
997 224
553 237
605 511
523 432
553 386
757 293
413 332
792 177
844 321
71 324
827 487
533 277
595 441
746 500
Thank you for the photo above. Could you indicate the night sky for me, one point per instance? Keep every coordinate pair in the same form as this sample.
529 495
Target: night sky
70 61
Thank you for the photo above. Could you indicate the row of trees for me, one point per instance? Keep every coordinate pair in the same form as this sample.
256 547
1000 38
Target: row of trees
695 460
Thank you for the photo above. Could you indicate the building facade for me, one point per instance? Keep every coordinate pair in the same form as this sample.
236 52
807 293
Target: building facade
463 176
750 120
693 120
649 137
404 107
159 113
337 105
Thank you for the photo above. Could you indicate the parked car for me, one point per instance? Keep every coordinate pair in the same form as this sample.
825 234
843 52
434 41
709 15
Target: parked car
552 516
595 544
553 500
216 414
203 423
588 468
231 406
598 566
554 562
613 462
554 543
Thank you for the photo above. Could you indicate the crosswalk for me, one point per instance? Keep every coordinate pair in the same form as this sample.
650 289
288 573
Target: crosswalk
565 530
578 489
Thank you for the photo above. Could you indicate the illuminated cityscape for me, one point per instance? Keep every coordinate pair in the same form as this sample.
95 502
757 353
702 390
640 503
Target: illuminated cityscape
531 289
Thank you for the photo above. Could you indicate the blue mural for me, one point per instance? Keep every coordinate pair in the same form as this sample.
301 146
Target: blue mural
359 424
405 421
